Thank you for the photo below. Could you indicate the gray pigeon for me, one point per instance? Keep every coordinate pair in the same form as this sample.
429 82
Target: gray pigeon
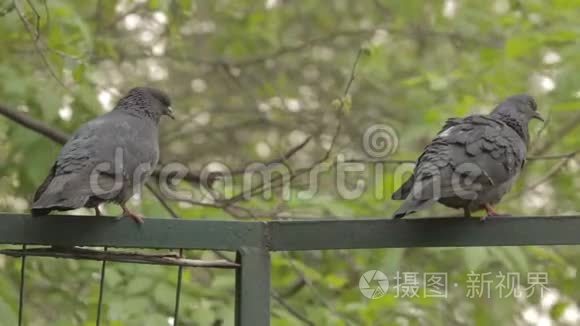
473 161
108 158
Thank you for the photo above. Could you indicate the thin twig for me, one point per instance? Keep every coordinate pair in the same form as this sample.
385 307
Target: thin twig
316 292
262 187
554 156
294 288
6 10
550 174
47 13
36 40
161 200
126 257
564 158
565 130
282 159
37 21
375 161
211 177
290 309
283 50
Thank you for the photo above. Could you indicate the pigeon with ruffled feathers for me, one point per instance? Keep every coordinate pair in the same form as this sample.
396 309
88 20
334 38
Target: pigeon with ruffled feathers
473 161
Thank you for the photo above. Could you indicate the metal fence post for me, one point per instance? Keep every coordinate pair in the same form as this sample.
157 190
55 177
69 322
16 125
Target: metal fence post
253 287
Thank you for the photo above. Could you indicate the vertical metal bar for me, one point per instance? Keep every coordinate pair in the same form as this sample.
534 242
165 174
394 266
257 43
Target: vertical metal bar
21 293
101 289
253 287
178 291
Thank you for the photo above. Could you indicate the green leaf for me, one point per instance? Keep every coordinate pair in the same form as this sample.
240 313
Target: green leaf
139 284
134 306
558 309
79 73
154 4
164 294
8 315
520 46
335 281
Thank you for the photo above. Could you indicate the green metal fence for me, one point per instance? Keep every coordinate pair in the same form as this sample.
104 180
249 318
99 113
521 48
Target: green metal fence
253 242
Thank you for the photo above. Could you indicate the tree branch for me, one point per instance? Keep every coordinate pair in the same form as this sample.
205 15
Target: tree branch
125 257
35 125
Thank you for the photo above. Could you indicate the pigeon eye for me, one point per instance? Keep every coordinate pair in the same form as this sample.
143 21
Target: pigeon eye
165 100
533 104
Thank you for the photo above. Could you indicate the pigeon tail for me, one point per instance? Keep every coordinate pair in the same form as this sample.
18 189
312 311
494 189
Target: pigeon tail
405 189
40 211
412 205
60 194
50 202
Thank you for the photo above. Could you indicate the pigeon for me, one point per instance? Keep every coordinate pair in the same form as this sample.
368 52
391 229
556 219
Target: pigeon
473 161
108 158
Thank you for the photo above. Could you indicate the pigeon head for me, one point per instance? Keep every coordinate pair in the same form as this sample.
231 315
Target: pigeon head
517 111
147 102
519 107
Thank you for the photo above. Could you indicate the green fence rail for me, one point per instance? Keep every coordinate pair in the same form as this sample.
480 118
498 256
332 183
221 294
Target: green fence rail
253 242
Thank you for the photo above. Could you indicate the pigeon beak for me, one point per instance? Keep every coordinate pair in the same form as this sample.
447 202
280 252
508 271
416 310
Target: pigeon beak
169 113
538 116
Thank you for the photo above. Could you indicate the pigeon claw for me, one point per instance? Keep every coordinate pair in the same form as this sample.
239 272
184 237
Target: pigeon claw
135 217
491 212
